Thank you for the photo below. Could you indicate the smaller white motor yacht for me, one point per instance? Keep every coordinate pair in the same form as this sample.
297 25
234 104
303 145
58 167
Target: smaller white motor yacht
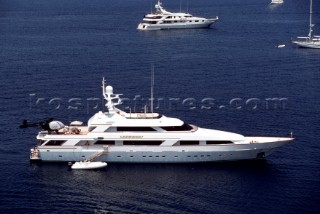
162 19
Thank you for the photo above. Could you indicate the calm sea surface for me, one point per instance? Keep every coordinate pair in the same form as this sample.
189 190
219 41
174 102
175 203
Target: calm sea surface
53 55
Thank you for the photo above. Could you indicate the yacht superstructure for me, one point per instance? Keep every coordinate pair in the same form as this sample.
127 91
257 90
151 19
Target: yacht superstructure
117 136
163 19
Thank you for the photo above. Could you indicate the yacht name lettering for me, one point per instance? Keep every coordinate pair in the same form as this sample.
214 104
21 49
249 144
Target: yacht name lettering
131 137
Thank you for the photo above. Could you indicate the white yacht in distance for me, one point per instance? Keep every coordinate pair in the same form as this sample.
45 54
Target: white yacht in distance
117 136
276 2
311 41
163 19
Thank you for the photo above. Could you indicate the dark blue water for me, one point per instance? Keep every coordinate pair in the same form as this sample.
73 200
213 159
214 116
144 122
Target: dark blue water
53 55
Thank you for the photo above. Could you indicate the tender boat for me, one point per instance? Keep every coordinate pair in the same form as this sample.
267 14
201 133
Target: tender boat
88 165
117 136
281 46
163 19
311 41
276 2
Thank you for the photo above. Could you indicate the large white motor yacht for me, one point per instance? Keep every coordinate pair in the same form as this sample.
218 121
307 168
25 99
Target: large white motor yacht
163 19
117 136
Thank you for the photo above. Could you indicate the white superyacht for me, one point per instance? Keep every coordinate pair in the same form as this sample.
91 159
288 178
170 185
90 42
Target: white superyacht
117 136
163 19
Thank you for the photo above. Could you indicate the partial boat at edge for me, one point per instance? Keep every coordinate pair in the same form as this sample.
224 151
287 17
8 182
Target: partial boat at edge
311 41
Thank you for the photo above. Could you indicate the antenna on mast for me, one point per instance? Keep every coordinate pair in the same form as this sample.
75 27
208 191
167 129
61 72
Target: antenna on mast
311 25
187 6
152 86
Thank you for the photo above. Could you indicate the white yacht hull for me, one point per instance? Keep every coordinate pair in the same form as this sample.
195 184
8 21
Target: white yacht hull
163 154
143 26
308 44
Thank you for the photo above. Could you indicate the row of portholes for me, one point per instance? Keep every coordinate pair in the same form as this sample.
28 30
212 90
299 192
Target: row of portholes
157 156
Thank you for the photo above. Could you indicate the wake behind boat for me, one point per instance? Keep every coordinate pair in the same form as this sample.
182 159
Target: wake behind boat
163 19
117 136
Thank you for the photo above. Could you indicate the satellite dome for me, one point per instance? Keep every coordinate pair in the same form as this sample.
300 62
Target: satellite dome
56 125
109 89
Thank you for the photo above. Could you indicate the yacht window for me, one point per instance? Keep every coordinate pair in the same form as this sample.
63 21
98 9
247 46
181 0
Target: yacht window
105 142
83 143
219 142
188 142
91 128
40 142
154 17
141 143
111 129
135 129
197 20
184 127
202 20
55 142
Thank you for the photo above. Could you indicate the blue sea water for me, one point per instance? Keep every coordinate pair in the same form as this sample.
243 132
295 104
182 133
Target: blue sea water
53 55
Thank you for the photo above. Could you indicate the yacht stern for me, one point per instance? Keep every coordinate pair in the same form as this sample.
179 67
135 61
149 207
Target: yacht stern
34 155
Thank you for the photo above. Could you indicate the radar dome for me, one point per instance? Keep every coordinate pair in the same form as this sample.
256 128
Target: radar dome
109 89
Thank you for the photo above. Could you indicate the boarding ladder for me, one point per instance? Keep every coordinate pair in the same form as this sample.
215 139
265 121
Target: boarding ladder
98 154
